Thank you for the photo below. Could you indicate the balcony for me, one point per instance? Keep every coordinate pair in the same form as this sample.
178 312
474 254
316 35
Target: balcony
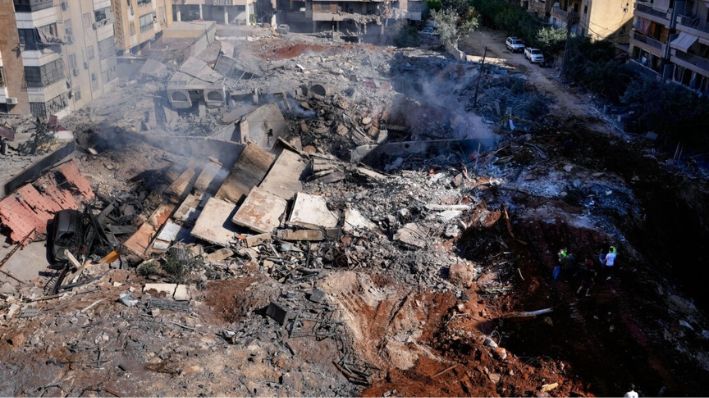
647 12
32 5
647 43
690 61
694 25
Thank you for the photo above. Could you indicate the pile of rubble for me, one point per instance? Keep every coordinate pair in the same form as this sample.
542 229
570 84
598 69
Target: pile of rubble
346 227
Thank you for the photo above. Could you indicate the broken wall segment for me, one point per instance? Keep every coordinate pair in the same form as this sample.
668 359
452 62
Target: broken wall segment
263 126
371 153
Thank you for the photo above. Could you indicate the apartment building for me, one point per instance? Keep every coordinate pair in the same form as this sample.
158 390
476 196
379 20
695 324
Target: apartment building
689 48
88 49
609 20
670 38
237 12
139 22
13 96
57 55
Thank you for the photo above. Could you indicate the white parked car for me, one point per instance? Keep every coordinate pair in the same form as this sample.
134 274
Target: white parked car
514 44
534 55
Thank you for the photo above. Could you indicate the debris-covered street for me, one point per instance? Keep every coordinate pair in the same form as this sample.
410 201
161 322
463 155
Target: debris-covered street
282 215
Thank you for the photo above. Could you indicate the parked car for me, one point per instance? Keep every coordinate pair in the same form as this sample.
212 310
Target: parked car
534 55
514 44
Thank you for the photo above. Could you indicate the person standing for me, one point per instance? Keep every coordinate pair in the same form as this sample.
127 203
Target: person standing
608 261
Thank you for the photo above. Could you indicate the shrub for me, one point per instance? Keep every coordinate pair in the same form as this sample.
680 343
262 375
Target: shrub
408 36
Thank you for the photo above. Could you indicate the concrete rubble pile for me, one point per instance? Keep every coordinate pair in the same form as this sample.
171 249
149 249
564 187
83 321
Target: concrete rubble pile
327 227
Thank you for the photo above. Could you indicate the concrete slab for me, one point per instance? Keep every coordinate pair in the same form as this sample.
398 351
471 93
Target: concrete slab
283 180
413 235
188 211
214 223
170 233
310 211
301 234
26 263
248 171
261 211
354 220
207 175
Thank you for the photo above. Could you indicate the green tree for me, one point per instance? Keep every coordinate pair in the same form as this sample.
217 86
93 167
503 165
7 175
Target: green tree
453 25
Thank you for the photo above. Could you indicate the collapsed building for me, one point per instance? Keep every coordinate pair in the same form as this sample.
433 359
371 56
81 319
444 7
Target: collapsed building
303 216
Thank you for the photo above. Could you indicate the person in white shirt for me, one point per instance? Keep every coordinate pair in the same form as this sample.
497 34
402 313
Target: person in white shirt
631 393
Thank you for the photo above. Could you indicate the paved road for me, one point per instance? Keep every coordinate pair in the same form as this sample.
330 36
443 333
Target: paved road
567 101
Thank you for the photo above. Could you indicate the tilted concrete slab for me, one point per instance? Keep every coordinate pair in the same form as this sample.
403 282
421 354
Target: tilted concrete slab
283 180
248 171
214 223
261 211
310 211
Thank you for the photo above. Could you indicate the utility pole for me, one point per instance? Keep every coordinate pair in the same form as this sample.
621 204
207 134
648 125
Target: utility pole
570 19
480 76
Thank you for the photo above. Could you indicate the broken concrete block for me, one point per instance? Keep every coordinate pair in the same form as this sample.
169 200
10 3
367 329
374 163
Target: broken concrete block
354 220
219 255
256 240
167 288
214 223
310 211
301 234
412 234
182 293
261 211
187 212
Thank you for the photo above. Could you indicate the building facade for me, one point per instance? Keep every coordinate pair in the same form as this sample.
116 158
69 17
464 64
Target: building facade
139 22
670 39
237 12
609 20
57 55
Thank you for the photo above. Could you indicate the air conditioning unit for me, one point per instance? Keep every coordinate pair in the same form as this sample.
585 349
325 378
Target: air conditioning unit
86 65
75 71
11 100
94 25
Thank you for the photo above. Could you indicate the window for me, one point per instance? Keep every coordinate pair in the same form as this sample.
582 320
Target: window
68 33
132 29
72 61
35 39
102 14
147 21
144 2
2 77
90 53
44 109
42 76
